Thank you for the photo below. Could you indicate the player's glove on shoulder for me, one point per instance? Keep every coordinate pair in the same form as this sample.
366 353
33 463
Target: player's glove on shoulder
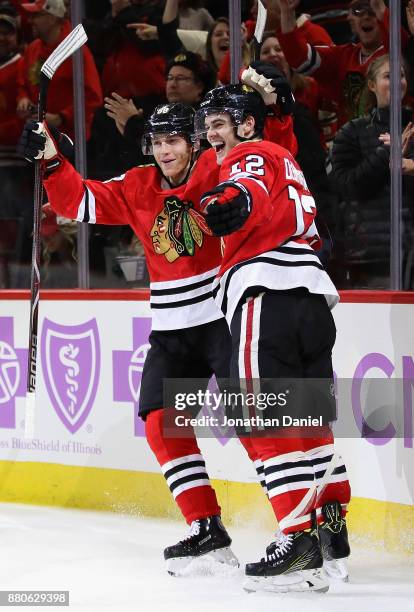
42 142
271 83
226 208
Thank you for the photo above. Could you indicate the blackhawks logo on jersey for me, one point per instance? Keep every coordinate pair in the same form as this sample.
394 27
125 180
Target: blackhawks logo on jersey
178 229
353 90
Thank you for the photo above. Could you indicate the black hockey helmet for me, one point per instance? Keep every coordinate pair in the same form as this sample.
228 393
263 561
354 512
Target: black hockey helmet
238 101
176 118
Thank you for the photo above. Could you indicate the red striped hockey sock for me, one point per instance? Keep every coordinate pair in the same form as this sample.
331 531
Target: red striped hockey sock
183 467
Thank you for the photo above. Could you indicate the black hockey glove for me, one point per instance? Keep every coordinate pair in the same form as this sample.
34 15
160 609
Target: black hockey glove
226 208
271 83
40 141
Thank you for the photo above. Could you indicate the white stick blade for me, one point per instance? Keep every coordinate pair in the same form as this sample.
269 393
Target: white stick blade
67 47
260 21
29 415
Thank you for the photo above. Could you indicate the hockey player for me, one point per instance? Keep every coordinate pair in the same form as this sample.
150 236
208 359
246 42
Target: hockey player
189 337
276 297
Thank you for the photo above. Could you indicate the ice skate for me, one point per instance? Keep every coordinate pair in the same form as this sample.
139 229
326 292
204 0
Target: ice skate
208 538
292 563
333 536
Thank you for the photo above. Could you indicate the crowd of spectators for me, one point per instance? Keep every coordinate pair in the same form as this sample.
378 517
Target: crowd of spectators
141 53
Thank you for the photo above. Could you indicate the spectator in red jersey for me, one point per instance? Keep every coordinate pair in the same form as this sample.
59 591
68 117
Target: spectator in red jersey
340 69
50 27
10 59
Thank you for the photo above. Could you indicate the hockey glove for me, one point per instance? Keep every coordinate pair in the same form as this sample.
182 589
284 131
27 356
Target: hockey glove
39 141
226 207
272 85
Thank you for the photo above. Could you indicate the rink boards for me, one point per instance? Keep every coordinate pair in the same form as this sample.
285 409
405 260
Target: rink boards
88 448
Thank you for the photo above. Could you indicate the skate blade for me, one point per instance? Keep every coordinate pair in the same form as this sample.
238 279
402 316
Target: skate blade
293 582
336 569
225 556
177 565
181 566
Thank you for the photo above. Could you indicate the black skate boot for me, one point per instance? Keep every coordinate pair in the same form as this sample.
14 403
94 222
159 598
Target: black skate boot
333 536
292 563
207 537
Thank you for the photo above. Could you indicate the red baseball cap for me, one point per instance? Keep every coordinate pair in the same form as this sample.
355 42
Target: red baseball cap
54 7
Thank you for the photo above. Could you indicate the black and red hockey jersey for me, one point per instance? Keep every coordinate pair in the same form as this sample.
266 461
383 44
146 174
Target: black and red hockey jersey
182 256
275 247
340 69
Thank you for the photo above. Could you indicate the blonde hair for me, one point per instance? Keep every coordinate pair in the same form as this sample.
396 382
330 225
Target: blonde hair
368 97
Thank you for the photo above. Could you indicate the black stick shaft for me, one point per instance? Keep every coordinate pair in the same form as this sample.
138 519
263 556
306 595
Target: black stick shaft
35 271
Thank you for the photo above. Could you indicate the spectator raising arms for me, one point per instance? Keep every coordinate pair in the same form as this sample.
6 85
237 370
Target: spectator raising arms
49 26
360 163
340 69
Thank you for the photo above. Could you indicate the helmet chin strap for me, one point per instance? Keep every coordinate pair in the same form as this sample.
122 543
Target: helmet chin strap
187 174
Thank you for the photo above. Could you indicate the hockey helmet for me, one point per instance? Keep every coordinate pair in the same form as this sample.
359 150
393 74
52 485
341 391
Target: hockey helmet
176 118
238 101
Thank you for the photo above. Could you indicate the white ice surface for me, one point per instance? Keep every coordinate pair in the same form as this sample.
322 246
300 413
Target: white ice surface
113 562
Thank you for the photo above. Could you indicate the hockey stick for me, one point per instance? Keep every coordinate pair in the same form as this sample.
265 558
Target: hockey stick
67 47
259 29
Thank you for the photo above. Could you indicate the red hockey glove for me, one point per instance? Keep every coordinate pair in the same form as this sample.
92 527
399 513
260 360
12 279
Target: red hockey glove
226 207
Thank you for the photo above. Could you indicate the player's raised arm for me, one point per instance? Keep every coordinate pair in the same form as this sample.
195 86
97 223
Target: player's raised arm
69 194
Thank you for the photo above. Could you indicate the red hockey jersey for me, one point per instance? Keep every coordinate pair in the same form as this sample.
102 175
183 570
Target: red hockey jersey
273 249
339 69
182 256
